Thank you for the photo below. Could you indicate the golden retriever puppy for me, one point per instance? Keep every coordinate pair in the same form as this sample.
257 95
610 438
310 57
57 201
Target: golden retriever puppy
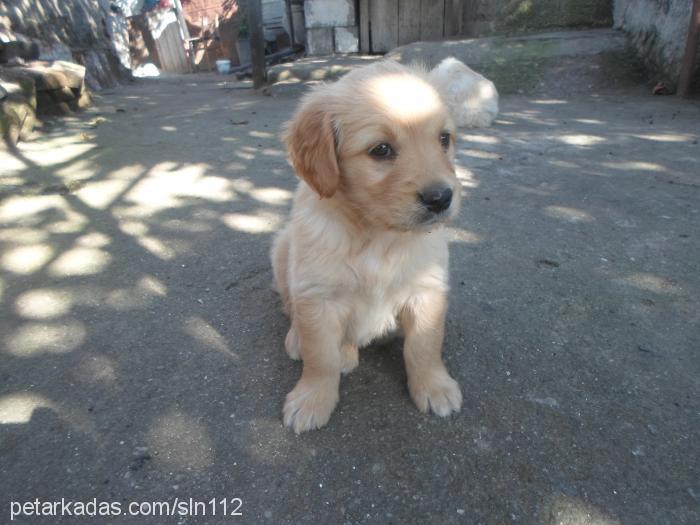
364 253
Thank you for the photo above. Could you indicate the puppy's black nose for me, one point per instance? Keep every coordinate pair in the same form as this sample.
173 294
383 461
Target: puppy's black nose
436 198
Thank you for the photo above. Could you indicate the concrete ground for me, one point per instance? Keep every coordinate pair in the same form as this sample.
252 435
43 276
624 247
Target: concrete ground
142 347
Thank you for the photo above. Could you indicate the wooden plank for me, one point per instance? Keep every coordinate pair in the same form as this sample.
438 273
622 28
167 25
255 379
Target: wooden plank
432 19
365 44
384 27
184 33
179 45
257 43
454 14
166 51
173 40
470 12
691 49
409 21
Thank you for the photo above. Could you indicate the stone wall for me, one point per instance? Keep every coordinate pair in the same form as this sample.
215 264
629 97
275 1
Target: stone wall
81 30
658 31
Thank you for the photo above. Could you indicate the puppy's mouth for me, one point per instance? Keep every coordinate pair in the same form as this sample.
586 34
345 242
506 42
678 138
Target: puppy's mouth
424 218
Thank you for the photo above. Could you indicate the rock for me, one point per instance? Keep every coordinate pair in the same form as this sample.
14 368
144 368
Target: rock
39 88
17 111
48 76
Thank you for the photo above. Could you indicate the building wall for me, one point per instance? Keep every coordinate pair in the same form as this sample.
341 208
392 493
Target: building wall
658 30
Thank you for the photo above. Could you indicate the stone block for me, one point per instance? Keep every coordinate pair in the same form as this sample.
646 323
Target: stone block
346 39
329 13
319 41
73 73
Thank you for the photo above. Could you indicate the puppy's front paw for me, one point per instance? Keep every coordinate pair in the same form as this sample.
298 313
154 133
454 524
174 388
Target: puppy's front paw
310 404
436 391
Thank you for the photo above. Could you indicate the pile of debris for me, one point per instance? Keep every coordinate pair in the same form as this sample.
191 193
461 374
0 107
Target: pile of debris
31 87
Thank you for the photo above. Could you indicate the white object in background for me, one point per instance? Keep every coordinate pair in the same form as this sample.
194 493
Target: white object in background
471 97
146 70
223 66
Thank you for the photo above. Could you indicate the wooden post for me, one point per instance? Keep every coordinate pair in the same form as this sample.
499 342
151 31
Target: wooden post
691 47
288 8
257 43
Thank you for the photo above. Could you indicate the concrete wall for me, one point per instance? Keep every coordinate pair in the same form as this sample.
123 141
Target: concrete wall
658 30
331 27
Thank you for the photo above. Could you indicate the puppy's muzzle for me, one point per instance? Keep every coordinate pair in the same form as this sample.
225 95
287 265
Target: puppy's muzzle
436 198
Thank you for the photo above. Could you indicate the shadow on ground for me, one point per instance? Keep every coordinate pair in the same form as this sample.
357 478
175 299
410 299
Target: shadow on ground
142 358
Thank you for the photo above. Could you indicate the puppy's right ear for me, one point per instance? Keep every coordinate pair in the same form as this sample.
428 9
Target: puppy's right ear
310 139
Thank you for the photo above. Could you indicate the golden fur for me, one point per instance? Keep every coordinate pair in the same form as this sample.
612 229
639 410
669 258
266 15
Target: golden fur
361 255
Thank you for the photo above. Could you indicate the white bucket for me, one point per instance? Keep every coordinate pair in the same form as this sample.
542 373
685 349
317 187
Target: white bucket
223 66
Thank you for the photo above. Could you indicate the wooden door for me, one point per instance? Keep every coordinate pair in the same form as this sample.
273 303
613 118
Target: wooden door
165 29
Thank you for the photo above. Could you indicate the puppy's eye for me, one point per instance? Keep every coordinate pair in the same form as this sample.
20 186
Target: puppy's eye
382 151
445 140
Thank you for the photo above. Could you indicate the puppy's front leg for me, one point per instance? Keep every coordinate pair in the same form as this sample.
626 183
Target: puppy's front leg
430 385
320 326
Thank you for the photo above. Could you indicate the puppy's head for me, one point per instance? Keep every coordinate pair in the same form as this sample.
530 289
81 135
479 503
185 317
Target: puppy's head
380 144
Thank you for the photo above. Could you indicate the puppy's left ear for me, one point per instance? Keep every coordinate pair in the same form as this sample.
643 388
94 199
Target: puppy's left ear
310 139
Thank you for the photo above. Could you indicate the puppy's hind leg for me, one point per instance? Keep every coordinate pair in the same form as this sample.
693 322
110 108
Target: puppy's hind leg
349 358
280 267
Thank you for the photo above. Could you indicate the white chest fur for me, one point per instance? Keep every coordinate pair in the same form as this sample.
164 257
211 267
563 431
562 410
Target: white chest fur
386 274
